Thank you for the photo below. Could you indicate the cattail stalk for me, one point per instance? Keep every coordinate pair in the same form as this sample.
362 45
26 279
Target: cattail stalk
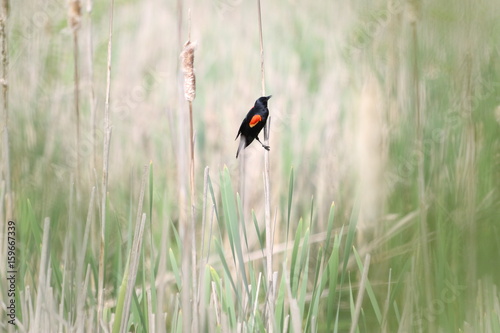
187 56
182 178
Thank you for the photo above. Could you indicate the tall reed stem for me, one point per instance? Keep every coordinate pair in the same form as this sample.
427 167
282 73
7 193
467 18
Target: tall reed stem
92 100
77 102
105 164
267 191
189 244
182 188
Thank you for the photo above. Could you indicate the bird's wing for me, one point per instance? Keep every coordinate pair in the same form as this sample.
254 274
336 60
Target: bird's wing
241 129
255 120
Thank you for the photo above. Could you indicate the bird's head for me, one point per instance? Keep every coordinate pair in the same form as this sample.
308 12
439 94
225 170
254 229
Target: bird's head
263 100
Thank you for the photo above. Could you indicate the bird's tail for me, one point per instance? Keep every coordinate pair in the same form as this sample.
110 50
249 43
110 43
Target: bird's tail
241 145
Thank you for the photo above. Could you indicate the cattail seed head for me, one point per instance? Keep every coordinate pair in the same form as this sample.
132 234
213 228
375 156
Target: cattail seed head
74 14
187 56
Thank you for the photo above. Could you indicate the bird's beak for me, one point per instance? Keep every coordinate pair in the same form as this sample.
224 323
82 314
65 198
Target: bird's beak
268 97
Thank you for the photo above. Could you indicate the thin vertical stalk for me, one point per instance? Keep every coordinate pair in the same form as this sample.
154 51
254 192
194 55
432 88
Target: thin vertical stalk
361 293
92 100
42 273
183 224
105 164
74 19
77 102
267 191
201 308
181 178
189 244
193 219
192 187
262 71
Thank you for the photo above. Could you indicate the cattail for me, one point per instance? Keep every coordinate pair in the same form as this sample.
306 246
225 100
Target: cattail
74 14
187 56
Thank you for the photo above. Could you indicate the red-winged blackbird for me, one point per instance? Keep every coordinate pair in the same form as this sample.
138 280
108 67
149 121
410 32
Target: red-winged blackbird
253 123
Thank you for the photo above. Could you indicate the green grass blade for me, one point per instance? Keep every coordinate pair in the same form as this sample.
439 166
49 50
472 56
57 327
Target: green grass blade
304 272
260 236
175 269
317 289
349 240
233 225
329 227
242 221
218 248
294 266
228 301
351 299
140 311
312 214
214 202
280 305
216 278
332 270
120 302
290 198
151 178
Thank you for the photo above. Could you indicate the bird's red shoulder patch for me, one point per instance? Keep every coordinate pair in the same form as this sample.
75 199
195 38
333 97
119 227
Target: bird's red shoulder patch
255 120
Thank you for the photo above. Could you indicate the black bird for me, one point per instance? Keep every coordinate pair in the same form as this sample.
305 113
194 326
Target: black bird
253 123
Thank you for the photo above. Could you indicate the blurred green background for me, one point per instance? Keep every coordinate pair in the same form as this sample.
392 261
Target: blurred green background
390 109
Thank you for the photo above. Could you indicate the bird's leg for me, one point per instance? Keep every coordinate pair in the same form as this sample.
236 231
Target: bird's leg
263 145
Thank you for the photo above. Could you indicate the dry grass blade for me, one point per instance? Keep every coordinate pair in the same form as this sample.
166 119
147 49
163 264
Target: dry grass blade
42 275
100 291
80 312
83 248
361 293
140 206
294 306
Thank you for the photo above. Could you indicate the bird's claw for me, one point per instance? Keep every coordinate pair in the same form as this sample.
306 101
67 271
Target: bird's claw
266 147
